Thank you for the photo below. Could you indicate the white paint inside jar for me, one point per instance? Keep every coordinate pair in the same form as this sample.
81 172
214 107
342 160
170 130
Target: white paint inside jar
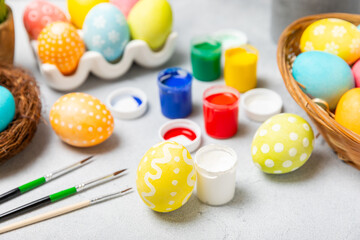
125 103
216 160
262 104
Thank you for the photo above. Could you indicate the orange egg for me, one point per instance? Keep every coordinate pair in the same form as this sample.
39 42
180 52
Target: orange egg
81 120
347 110
60 44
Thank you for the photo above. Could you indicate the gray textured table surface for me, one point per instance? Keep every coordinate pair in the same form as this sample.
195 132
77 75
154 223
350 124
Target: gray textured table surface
318 201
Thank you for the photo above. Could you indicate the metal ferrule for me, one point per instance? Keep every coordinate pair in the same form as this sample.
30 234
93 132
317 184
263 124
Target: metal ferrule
80 187
65 170
109 196
92 183
48 177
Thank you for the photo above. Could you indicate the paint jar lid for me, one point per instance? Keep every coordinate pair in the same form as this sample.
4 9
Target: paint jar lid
260 104
127 103
182 131
230 38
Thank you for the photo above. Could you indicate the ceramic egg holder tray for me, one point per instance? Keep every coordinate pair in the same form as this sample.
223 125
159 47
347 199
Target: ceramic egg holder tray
135 51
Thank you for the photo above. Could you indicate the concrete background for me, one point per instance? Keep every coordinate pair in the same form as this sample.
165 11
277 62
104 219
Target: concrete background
318 201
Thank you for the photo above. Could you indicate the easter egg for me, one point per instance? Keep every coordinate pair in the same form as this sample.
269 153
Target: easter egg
151 21
40 13
124 5
347 111
60 44
106 31
7 108
166 176
81 120
324 75
332 35
78 9
282 144
356 72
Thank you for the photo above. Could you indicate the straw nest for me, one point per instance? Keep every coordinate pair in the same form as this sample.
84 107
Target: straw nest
28 110
343 141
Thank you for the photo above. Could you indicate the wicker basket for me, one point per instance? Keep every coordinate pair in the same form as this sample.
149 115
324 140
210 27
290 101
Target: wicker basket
343 141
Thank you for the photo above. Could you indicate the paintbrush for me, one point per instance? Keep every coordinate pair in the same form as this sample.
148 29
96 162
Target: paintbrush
40 181
57 196
61 211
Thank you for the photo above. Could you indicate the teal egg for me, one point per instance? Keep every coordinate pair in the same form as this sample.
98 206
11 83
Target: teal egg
7 108
324 75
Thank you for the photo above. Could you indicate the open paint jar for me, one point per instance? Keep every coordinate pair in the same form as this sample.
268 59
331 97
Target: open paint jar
221 108
175 92
240 67
230 38
182 131
260 104
127 103
216 174
206 58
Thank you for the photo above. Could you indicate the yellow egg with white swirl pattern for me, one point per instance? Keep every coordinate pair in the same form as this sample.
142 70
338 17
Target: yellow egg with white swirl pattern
332 35
166 177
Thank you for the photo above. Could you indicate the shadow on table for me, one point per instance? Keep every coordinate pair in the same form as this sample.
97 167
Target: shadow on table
263 83
316 162
189 212
243 131
197 110
239 199
109 145
29 154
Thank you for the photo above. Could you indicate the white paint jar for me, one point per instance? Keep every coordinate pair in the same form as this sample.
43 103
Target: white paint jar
216 174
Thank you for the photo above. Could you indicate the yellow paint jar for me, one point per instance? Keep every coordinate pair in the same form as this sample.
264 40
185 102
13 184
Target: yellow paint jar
240 67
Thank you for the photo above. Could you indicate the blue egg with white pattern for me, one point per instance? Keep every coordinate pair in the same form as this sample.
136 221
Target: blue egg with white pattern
7 108
106 31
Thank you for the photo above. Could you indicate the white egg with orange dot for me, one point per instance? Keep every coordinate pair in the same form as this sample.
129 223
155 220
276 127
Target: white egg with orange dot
166 177
78 119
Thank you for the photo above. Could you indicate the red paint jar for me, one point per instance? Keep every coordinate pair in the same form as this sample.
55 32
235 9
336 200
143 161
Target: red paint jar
221 108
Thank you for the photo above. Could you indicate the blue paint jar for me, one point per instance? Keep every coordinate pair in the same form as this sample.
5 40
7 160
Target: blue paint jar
175 92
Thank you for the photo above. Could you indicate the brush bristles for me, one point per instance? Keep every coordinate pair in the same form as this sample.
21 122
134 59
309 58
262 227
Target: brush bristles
118 172
86 159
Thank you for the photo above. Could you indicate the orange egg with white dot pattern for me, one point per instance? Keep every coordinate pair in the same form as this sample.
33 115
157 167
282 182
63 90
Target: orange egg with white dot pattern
60 44
81 120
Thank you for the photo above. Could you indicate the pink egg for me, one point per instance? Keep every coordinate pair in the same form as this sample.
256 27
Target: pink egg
356 72
38 14
124 5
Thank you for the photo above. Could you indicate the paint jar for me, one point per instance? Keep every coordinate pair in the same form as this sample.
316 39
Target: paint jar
240 67
221 107
182 131
206 58
175 92
216 174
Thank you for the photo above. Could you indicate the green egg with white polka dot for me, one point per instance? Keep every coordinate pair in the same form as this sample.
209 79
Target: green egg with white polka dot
282 144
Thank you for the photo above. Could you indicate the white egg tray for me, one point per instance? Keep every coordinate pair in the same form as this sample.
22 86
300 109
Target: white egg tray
135 51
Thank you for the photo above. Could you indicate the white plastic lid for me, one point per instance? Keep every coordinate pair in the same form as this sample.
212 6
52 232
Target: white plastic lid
127 103
189 144
260 103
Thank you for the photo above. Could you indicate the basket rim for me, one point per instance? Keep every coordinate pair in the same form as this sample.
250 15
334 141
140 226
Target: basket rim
311 108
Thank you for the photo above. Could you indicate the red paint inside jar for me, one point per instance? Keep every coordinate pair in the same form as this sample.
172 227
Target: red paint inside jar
175 132
221 114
